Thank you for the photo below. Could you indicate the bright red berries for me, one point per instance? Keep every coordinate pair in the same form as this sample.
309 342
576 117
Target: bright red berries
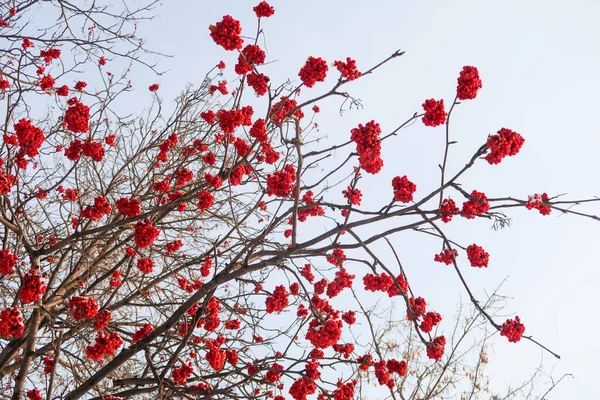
258 82
264 10
477 256
354 196
145 234
368 146
83 307
153 87
435 350
280 183
374 283
478 204
129 207
341 281
337 257
11 323
46 82
226 33
102 320
325 334
348 69
447 210
8 260
30 138
142 333
106 345
145 265
513 329
469 83
539 202
446 256
278 301
100 208
250 56
205 200
77 116
435 115
504 143
33 287
430 320
403 189
315 70
280 110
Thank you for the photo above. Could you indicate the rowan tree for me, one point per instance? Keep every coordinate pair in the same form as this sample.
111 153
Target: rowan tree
172 255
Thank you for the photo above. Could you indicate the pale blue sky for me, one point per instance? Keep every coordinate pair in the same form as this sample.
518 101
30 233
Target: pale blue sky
539 63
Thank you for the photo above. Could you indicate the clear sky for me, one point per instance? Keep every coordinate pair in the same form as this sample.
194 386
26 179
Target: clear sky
539 63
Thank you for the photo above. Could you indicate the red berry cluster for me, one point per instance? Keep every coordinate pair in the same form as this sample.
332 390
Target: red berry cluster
403 189
393 290
34 394
539 202
46 82
205 200
354 196
447 210
336 258
477 256
250 56
374 283
129 207
77 116
30 138
106 344
446 256
145 265
226 33
478 204
417 306
278 301
307 273
264 10
214 356
435 115
8 260
11 323
142 333
232 119
153 87
145 234
167 145
181 374
280 183
345 350
504 143
301 388
280 110
102 319
430 320
48 364
93 150
62 91
50 54
83 307
398 367
324 334
468 83
33 287
258 82
348 69
100 208
6 182
341 281
368 146
513 329
315 70
435 349
172 247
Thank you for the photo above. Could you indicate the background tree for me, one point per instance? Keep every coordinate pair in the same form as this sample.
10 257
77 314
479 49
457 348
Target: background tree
172 254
